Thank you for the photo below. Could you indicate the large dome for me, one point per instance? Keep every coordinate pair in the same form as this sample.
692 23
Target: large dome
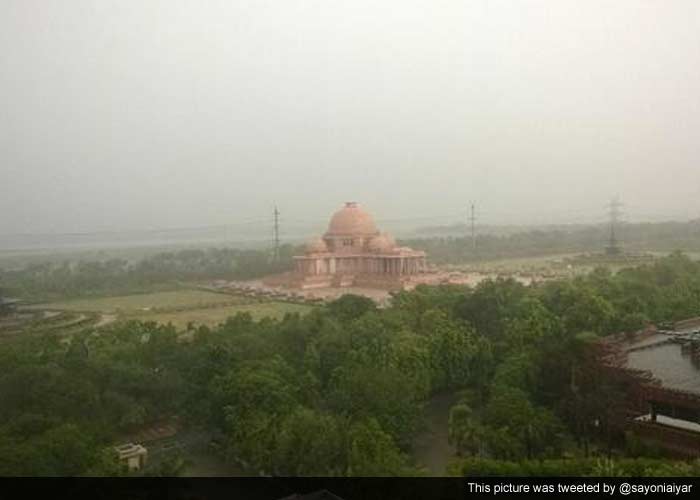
351 220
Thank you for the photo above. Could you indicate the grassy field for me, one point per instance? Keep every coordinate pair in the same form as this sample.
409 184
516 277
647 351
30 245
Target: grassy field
516 263
177 307
144 302
214 316
565 265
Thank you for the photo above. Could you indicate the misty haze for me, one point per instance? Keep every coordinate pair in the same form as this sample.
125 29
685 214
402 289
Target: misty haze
350 238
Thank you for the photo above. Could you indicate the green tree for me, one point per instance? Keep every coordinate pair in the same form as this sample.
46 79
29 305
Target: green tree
311 444
372 452
349 307
465 432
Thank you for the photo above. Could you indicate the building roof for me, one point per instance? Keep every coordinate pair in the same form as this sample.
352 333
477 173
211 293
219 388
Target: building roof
665 357
351 220
128 450
6 301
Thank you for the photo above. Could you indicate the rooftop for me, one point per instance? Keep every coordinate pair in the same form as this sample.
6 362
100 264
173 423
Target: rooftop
669 357
129 450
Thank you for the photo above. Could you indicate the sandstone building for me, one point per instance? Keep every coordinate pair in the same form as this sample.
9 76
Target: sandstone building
353 252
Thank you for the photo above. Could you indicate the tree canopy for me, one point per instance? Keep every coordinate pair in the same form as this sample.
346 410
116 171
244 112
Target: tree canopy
341 390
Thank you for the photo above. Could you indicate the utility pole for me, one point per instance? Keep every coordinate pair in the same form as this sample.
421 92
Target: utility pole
472 220
276 251
614 213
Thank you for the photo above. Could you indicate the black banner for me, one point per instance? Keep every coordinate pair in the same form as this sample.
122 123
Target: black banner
346 488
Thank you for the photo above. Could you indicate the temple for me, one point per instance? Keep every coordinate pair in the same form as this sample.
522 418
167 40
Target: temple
354 253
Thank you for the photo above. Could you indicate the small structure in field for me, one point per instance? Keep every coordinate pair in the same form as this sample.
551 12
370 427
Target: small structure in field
132 455
7 305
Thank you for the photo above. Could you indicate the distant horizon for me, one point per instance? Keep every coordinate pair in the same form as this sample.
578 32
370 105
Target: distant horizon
484 217
208 235
137 115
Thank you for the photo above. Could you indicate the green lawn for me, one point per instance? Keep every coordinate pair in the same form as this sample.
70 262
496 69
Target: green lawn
178 307
146 301
214 316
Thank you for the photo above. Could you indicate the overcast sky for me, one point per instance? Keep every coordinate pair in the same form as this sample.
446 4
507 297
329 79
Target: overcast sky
144 114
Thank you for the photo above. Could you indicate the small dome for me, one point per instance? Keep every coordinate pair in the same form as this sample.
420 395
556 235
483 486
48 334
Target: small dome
351 220
316 245
383 243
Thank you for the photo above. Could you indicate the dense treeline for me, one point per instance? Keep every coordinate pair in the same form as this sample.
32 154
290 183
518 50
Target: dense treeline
104 277
341 390
454 249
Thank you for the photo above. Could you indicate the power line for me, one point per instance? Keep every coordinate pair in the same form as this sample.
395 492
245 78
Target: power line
472 220
250 223
276 251
614 213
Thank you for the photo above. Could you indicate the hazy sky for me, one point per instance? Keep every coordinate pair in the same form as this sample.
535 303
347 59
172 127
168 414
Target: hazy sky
147 114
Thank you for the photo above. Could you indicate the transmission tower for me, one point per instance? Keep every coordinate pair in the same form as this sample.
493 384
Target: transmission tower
276 235
614 213
472 221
